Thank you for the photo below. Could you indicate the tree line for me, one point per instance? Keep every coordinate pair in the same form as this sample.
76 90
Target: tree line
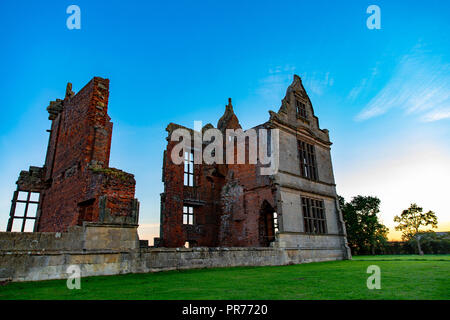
366 234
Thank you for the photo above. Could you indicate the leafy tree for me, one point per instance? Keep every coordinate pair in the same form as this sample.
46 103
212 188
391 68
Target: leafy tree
432 243
351 224
365 233
410 222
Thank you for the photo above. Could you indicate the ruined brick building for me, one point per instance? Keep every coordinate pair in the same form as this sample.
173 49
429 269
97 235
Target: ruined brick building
83 212
75 184
234 205
209 205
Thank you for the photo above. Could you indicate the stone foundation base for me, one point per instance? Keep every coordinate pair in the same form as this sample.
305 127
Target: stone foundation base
110 249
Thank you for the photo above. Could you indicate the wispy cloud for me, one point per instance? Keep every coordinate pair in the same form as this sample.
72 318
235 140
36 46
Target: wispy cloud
317 82
273 87
437 115
266 93
282 69
420 85
364 83
280 78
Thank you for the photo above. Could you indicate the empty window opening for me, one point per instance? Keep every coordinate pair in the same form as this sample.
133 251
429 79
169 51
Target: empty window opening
188 215
190 244
189 169
275 222
308 165
301 109
268 225
23 214
314 216
85 211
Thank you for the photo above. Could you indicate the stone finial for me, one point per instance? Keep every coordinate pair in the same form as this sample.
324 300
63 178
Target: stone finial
229 119
69 92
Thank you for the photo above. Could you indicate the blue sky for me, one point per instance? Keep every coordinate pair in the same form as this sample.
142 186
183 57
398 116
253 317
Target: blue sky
383 94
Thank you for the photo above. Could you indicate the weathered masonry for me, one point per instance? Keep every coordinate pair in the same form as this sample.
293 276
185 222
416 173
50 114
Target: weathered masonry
75 185
232 205
101 249
84 213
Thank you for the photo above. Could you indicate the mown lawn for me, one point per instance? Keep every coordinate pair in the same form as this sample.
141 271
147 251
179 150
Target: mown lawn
402 277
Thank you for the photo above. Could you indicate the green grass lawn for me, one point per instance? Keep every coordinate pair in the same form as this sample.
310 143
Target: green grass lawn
402 277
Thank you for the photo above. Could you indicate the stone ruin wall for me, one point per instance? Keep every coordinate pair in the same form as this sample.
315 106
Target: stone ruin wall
88 216
229 199
76 183
101 249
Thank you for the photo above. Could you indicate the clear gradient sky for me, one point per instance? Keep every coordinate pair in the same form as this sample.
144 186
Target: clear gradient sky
383 94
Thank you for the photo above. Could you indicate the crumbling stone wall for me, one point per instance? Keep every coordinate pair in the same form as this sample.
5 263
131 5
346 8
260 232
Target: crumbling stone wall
203 196
76 183
230 200
102 249
235 205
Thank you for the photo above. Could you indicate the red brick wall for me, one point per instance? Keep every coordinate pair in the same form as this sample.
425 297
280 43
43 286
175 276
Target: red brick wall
77 173
229 208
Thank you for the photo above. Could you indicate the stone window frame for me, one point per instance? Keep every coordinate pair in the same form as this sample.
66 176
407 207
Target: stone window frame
314 217
188 173
188 215
25 217
300 107
308 160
